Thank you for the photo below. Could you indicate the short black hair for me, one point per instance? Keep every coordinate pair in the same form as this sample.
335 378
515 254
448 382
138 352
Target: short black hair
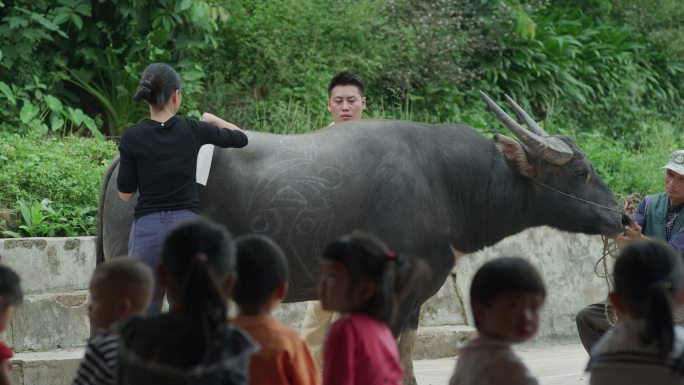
261 267
132 278
346 79
505 275
10 288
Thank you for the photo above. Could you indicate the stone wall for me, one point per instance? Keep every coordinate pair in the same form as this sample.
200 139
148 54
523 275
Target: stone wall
55 274
565 260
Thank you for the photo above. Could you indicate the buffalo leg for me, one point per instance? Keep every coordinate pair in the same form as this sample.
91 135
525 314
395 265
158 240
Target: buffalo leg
405 344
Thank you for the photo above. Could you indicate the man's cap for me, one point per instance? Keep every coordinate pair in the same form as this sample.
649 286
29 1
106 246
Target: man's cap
676 162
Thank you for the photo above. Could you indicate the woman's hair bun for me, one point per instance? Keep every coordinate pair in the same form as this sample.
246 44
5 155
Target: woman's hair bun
145 92
157 83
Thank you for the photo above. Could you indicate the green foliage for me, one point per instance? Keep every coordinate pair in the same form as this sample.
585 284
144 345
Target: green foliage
587 70
90 54
659 21
415 58
628 170
276 53
40 220
31 109
66 171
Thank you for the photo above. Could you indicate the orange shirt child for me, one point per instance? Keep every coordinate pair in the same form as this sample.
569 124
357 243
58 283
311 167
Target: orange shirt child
283 359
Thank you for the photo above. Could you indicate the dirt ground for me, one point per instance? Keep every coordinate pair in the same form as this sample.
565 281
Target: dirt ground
552 365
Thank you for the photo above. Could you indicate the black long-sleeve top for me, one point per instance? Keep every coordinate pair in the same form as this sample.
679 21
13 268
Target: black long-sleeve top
159 160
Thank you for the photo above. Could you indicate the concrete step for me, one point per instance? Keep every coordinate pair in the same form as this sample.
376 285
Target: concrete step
57 367
50 264
50 321
441 341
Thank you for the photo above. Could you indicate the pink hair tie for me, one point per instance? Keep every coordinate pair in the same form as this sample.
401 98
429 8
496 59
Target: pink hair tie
391 256
200 257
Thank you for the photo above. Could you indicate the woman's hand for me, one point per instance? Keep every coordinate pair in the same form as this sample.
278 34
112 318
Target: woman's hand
218 122
126 196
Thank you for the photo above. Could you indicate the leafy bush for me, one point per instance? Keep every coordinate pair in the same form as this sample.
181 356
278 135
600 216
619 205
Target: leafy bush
277 57
624 169
593 71
66 171
89 54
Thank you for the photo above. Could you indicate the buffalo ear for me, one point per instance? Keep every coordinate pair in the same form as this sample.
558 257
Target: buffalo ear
515 155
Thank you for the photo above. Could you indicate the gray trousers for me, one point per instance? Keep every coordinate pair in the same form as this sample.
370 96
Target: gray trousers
145 243
592 323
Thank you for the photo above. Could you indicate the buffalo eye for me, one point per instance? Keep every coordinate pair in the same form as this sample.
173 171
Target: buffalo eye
581 172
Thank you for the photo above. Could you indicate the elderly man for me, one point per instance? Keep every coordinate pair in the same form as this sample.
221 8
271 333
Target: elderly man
658 216
346 102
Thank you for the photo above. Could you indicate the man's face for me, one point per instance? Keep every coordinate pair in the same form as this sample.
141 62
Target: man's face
346 103
674 186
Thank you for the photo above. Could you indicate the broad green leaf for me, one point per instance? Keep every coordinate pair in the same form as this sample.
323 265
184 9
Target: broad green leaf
78 21
16 21
29 230
53 103
183 5
57 123
159 37
8 233
45 22
76 116
28 112
84 9
61 18
90 123
5 89
39 127
36 215
25 212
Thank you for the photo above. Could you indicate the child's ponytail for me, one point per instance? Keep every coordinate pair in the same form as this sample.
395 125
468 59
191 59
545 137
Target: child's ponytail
202 299
648 276
659 321
199 256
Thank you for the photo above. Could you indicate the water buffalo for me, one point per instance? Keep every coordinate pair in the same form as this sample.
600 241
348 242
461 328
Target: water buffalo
431 191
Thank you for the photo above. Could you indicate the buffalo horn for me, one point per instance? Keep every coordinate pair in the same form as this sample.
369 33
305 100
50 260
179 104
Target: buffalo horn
526 118
550 148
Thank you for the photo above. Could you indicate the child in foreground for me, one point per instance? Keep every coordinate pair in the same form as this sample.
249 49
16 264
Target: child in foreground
262 284
645 346
11 297
506 295
363 280
193 343
119 289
